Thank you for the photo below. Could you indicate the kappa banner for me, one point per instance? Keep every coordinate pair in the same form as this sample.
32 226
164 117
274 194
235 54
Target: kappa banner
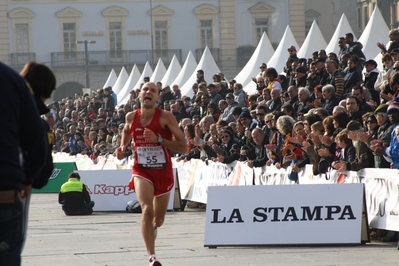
110 191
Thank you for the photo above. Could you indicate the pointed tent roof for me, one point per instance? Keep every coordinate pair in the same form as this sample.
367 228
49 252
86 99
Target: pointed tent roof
132 80
280 55
375 31
188 68
111 79
120 82
173 70
262 54
314 41
147 72
343 27
159 71
208 64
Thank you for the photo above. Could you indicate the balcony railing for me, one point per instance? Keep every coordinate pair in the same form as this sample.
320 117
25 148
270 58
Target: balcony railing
20 59
214 51
125 57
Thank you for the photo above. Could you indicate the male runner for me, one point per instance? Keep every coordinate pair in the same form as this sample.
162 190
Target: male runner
152 130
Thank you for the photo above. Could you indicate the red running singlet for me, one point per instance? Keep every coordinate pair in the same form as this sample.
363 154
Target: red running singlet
152 161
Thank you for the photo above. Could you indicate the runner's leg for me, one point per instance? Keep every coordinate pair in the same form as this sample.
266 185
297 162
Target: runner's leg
160 207
145 194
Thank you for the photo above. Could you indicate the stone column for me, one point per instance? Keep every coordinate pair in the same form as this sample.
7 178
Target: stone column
4 34
297 19
228 46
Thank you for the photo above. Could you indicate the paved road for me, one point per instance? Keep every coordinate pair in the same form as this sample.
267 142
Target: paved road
114 238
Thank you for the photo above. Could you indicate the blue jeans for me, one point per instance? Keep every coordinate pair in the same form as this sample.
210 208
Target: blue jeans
11 233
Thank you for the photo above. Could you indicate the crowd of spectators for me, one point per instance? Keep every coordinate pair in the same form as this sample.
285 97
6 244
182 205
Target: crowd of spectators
331 111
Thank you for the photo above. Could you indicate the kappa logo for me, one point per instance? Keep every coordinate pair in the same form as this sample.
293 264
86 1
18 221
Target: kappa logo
55 173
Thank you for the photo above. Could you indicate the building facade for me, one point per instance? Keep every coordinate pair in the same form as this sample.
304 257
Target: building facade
389 10
128 32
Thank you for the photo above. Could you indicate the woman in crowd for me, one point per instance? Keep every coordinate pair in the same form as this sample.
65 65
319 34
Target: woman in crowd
371 125
176 91
213 110
385 73
348 152
224 151
193 152
289 150
102 134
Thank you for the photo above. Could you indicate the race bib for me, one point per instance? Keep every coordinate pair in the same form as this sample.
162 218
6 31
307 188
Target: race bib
151 157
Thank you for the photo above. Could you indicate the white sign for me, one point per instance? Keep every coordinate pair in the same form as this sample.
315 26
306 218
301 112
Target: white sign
110 191
281 215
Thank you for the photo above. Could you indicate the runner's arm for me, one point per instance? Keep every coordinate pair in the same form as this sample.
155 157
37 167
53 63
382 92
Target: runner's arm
126 137
179 144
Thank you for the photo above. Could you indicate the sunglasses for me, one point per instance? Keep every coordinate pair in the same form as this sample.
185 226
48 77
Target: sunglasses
225 137
291 50
262 67
269 121
386 60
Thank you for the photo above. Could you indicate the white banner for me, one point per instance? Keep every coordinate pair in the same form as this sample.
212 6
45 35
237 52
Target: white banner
284 215
109 189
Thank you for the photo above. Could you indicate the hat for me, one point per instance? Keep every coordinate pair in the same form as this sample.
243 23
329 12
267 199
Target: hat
211 85
195 85
382 108
121 125
246 114
100 120
395 51
353 125
233 81
371 62
300 69
320 60
113 124
394 106
229 95
292 48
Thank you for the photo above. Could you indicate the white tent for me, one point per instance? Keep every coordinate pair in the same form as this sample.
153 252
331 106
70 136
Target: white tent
124 94
173 70
147 72
189 66
262 54
343 27
281 54
159 71
210 68
120 82
375 31
111 79
314 42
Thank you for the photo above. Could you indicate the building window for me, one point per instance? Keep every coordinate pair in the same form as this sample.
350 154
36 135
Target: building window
206 33
161 35
115 39
261 22
69 34
359 19
22 38
261 26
